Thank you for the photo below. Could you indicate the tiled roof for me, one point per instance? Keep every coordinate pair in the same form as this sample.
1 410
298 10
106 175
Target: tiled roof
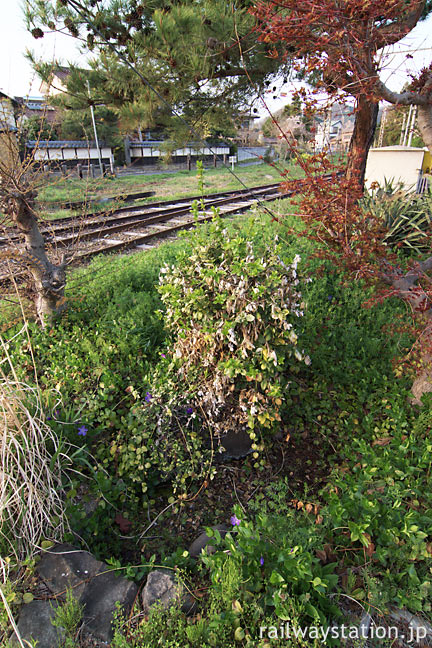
63 144
157 144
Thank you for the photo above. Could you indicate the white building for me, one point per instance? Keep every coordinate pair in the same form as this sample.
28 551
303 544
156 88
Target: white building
70 152
404 165
151 152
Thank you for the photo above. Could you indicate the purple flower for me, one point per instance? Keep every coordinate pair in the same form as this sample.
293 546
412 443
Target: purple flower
189 410
49 418
163 355
82 430
234 520
261 561
148 397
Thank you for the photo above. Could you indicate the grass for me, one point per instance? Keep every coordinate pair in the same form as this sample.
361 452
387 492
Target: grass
32 458
165 185
352 446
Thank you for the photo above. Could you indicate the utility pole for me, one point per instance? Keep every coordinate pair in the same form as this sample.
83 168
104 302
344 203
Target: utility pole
382 126
402 129
411 130
95 131
408 122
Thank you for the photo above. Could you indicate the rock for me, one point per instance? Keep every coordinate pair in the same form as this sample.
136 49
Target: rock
202 542
161 587
99 600
63 566
418 629
96 587
35 624
364 627
236 444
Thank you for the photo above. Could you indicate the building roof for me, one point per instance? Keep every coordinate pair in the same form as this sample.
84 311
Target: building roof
158 143
62 72
3 95
58 144
399 147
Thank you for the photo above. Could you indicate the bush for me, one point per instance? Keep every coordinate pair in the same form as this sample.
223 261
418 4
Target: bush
161 438
232 311
276 557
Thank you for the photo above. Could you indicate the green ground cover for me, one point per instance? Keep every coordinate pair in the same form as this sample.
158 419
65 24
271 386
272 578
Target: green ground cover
165 185
338 505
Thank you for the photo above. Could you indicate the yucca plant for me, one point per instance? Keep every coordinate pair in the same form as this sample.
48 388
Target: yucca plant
407 217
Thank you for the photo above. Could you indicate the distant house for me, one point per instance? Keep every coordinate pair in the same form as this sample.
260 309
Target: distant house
9 112
247 130
37 107
334 128
69 153
57 82
148 152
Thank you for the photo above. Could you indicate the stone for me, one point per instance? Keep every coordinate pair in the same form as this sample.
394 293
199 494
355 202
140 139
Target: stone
93 584
63 566
161 588
35 624
99 600
203 541
365 624
237 444
418 627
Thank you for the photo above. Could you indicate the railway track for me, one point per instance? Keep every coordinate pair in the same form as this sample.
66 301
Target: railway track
134 228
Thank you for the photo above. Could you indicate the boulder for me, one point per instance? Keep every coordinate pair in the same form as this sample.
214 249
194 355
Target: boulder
237 444
35 625
418 628
163 589
203 541
100 599
63 566
93 584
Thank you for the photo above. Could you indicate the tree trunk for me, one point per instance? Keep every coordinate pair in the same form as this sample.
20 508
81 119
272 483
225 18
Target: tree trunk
361 140
49 279
424 122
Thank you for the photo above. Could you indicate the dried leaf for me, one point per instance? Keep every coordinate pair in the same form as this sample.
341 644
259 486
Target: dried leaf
383 441
370 549
124 524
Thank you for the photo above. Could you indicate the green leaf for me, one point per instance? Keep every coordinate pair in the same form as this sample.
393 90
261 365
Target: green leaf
239 634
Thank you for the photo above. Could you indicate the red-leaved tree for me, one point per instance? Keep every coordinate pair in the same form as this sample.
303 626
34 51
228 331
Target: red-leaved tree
338 44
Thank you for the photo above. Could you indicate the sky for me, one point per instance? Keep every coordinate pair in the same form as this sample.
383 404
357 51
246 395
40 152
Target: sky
18 79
